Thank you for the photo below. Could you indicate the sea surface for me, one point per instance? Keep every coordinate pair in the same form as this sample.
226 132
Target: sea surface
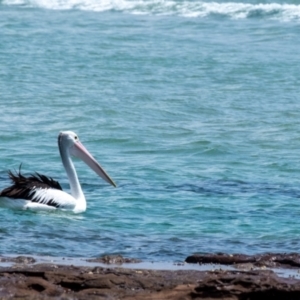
192 107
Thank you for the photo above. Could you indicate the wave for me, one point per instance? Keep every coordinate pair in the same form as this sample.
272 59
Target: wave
187 8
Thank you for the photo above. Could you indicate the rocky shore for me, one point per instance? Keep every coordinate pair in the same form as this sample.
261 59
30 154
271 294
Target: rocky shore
220 276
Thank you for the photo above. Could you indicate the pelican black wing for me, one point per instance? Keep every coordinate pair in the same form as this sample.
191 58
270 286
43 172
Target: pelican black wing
22 186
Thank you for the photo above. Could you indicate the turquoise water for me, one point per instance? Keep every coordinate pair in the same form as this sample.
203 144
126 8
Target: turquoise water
191 107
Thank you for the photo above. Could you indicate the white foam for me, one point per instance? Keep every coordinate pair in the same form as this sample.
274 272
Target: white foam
187 8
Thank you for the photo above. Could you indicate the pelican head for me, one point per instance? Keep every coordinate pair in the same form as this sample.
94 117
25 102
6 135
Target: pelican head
69 144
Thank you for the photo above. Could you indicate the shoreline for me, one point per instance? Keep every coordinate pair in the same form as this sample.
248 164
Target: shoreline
213 276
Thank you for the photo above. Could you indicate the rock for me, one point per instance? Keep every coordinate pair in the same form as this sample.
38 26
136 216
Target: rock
114 259
48 281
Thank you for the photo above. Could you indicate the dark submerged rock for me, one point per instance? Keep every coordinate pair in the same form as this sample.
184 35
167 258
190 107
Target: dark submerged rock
267 259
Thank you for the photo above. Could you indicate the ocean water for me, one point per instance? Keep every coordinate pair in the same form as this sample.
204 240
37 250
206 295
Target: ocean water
192 107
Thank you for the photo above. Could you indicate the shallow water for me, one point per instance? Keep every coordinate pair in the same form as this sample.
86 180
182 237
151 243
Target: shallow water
191 107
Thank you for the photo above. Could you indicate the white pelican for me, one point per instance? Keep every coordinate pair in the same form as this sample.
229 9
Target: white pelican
39 192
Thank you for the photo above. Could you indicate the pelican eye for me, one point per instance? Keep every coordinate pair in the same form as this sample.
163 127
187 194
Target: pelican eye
76 137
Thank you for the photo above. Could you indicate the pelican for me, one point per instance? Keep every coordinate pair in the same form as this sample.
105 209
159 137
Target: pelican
38 192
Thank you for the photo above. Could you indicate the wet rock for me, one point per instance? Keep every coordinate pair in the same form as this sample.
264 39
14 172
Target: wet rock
18 260
267 260
114 259
24 260
225 259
